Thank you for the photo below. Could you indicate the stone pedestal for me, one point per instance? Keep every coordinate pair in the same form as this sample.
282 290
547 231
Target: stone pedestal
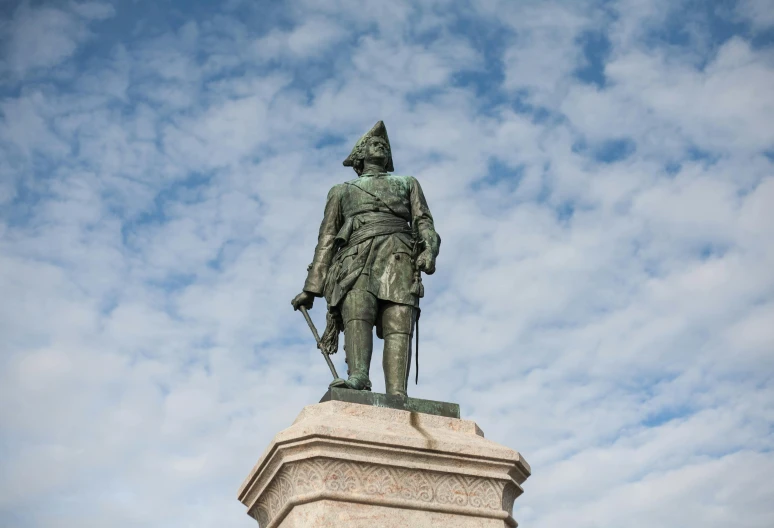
348 464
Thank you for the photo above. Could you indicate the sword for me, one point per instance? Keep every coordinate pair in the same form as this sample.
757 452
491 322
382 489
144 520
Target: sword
324 352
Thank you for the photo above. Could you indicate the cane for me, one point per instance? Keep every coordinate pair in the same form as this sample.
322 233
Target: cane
336 379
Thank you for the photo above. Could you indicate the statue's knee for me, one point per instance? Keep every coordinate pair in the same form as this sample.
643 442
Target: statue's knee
359 305
396 338
397 319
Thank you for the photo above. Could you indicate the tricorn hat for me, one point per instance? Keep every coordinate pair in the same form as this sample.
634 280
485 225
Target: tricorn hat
355 158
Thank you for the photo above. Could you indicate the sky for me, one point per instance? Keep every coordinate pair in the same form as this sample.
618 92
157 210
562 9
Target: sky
601 173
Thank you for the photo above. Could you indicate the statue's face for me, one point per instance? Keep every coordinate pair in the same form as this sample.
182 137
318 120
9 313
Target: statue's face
376 150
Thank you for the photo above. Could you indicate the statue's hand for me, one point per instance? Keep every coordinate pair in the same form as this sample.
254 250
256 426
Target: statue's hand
304 299
426 262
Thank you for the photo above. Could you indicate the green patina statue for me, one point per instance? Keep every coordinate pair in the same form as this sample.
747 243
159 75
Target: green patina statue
376 237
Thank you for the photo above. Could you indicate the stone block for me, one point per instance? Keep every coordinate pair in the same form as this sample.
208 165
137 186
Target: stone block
348 464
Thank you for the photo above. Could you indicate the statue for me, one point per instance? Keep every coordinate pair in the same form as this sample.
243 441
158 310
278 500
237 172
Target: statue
377 236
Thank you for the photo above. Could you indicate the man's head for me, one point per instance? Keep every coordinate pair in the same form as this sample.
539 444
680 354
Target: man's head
373 148
376 151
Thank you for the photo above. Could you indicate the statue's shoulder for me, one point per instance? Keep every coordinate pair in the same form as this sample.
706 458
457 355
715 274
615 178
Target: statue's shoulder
336 189
405 181
405 177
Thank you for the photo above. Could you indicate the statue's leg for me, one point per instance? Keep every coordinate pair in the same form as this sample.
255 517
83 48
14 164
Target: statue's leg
358 311
397 328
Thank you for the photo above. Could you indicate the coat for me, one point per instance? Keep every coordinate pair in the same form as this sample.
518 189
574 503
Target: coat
373 229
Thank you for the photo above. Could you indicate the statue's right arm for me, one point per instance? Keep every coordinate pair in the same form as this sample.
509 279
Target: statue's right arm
326 248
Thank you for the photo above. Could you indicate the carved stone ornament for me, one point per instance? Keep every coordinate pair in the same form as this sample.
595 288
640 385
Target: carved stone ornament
371 457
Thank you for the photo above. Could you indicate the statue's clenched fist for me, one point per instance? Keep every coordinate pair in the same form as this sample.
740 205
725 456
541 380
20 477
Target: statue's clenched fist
304 299
426 262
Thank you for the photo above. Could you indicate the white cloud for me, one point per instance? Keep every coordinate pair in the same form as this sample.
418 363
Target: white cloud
312 37
93 10
26 126
45 36
543 53
758 12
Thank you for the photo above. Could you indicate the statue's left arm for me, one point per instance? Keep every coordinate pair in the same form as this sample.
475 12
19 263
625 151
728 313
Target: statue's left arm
422 220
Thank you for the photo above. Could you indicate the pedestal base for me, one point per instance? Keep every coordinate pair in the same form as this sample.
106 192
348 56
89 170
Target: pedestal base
346 464
337 513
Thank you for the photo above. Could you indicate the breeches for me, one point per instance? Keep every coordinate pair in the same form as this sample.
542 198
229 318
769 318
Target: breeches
389 317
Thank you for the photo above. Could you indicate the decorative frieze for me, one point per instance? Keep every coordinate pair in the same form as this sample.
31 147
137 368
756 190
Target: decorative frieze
376 483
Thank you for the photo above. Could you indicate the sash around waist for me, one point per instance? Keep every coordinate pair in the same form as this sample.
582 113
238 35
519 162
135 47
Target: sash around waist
372 224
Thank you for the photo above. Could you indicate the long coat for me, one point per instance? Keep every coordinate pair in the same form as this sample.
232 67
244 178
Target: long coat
372 230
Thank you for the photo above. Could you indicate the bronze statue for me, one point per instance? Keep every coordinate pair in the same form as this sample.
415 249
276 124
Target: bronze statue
376 237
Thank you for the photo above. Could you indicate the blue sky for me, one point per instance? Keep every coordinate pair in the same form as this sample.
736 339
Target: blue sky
601 173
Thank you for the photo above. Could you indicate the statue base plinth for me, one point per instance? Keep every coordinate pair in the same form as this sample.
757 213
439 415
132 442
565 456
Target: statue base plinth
348 464
377 399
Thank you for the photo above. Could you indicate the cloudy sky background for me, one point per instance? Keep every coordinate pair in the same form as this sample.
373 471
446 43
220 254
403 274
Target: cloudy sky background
601 173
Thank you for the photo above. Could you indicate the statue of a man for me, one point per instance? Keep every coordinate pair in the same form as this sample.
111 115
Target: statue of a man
376 236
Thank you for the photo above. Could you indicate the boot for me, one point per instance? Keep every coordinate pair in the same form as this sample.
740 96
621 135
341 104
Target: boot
396 362
359 345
